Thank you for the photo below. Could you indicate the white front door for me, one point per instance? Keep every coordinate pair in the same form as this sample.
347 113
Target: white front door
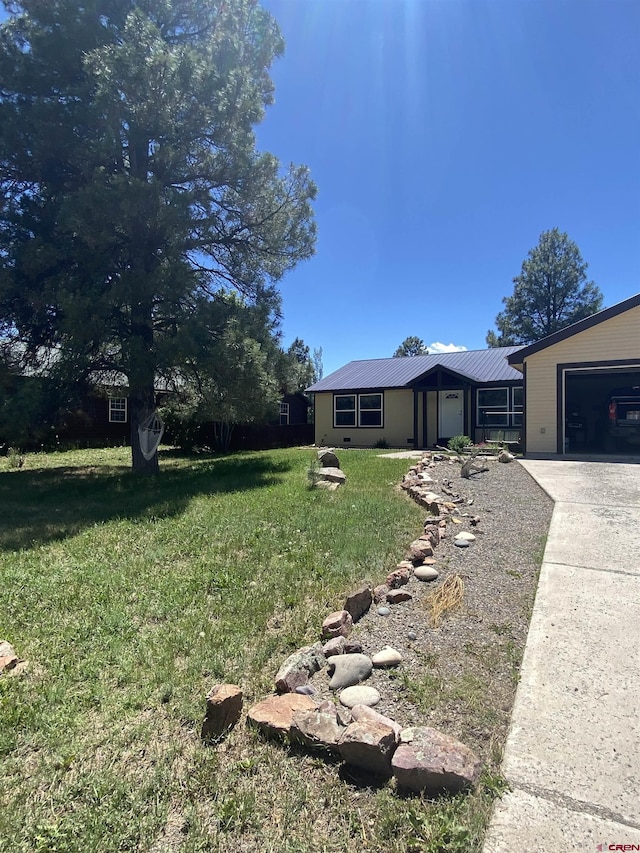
451 414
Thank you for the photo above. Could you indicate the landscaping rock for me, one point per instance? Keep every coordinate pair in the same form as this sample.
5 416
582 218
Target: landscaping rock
398 577
328 459
359 602
461 543
333 475
306 690
426 573
318 727
505 456
348 670
412 635
364 712
274 715
335 646
380 592
428 760
395 596
387 657
352 646
224 706
464 535
369 745
359 695
383 611
8 656
418 550
299 667
337 624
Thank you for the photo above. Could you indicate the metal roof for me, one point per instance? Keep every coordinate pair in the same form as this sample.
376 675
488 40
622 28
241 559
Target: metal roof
478 366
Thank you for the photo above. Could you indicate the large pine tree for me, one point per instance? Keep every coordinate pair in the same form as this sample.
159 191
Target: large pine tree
130 182
550 293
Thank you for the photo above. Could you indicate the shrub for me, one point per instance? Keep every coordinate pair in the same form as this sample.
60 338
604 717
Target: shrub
458 443
382 444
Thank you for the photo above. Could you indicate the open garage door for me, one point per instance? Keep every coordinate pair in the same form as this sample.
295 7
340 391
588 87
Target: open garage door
601 410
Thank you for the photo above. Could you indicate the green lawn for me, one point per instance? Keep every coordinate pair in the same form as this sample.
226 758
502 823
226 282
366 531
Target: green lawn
131 597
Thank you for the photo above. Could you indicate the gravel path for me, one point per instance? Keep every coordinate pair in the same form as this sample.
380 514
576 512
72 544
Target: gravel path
461 676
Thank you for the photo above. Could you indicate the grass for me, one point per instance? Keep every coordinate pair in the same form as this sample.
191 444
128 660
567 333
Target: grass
131 597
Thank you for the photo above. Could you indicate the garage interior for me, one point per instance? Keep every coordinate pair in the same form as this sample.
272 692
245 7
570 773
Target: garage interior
587 394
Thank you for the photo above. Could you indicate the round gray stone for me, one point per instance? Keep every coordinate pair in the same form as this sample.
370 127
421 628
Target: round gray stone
426 573
359 695
348 670
412 635
383 611
387 657
461 543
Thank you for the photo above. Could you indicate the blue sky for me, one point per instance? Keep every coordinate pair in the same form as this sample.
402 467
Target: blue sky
445 136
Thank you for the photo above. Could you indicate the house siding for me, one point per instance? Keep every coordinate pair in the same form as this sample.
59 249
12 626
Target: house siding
397 422
615 339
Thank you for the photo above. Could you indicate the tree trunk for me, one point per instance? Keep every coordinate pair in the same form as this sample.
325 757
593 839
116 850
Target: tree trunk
141 405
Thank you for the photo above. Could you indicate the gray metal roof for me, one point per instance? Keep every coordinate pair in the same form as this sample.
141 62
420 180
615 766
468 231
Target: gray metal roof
480 366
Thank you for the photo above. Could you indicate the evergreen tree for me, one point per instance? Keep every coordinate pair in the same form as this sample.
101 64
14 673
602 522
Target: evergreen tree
550 293
131 190
411 346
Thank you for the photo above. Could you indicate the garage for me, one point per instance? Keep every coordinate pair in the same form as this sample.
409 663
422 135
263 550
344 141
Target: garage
602 410
582 385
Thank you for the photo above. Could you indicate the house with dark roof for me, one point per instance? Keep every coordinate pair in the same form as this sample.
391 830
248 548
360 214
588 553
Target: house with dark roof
570 378
554 396
419 401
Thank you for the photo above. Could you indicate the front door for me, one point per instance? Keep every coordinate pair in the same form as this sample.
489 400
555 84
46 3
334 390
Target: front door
451 414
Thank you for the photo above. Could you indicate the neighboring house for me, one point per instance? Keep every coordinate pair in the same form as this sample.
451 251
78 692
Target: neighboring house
555 396
569 378
422 400
294 410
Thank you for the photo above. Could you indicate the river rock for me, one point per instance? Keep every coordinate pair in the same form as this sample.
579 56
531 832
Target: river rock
359 695
428 760
464 535
369 745
505 456
383 611
224 706
388 656
299 667
395 596
337 624
348 670
461 543
426 573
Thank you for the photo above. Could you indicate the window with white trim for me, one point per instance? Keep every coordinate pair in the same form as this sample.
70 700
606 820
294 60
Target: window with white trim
117 410
284 414
361 410
499 407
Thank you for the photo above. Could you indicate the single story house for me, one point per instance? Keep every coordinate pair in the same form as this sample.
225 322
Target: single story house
553 396
419 401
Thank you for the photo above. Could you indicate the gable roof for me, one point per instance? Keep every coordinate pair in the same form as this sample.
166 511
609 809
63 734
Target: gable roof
477 366
575 328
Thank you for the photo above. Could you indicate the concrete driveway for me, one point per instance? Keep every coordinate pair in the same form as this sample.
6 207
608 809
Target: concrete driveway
572 756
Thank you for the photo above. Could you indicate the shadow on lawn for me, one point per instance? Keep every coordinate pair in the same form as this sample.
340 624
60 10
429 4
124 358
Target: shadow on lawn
51 504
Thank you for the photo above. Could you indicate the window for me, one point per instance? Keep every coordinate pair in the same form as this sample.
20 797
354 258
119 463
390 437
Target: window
499 407
362 410
117 410
517 397
370 408
284 414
